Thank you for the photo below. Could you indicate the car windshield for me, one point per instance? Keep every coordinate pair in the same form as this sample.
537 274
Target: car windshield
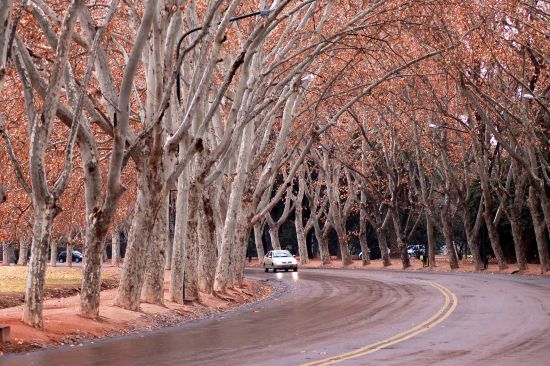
281 254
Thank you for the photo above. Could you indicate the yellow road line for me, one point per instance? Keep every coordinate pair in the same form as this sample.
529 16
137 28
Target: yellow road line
443 313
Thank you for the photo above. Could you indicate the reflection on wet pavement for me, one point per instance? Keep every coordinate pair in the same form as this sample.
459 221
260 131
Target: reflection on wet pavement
294 275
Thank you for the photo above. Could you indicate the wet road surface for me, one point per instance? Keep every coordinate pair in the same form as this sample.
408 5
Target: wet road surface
347 317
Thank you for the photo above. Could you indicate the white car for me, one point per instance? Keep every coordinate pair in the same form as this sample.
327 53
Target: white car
280 259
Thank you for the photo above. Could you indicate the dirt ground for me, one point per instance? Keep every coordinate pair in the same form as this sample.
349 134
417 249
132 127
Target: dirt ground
442 265
63 325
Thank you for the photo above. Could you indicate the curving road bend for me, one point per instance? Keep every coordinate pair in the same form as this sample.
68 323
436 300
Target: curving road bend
346 317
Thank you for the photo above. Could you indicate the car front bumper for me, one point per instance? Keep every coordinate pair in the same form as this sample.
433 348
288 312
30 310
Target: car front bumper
285 266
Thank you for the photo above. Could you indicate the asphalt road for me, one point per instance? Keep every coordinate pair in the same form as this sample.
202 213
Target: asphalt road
347 317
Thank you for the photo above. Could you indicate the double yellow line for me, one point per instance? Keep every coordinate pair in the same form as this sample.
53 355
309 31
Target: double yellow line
443 313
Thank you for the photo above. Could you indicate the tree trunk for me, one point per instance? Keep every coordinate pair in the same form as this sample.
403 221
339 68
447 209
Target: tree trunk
472 237
344 249
23 252
431 240
153 285
514 218
69 254
115 248
140 236
323 248
538 225
241 243
91 276
383 244
223 266
180 233
34 294
363 236
401 241
169 243
148 207
258 241
545 205
343 245
447 233
322 242
493 236
191 248
98 216
5 254
274 236
53 253
300 234
207 247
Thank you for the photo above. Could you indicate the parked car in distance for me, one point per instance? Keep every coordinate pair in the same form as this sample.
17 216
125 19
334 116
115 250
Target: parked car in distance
280 259
416 250
77 256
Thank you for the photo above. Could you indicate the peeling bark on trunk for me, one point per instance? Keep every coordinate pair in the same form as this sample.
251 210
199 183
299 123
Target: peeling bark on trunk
514 218
176 274
538 225
383 244
344 247
322 242
23 253
258 241
5 254
69 255
153 285
223 267
241 241
91 276
472 237
97 221
447 233
274 236
115 248
299 219
53 253
493 237
191 248
140 236
207 248
513 206
545 205
169 243
431 240
401 241
363 236
323 249
242 234
300 234
34 294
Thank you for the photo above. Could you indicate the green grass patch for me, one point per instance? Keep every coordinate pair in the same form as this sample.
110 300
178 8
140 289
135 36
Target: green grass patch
14 279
